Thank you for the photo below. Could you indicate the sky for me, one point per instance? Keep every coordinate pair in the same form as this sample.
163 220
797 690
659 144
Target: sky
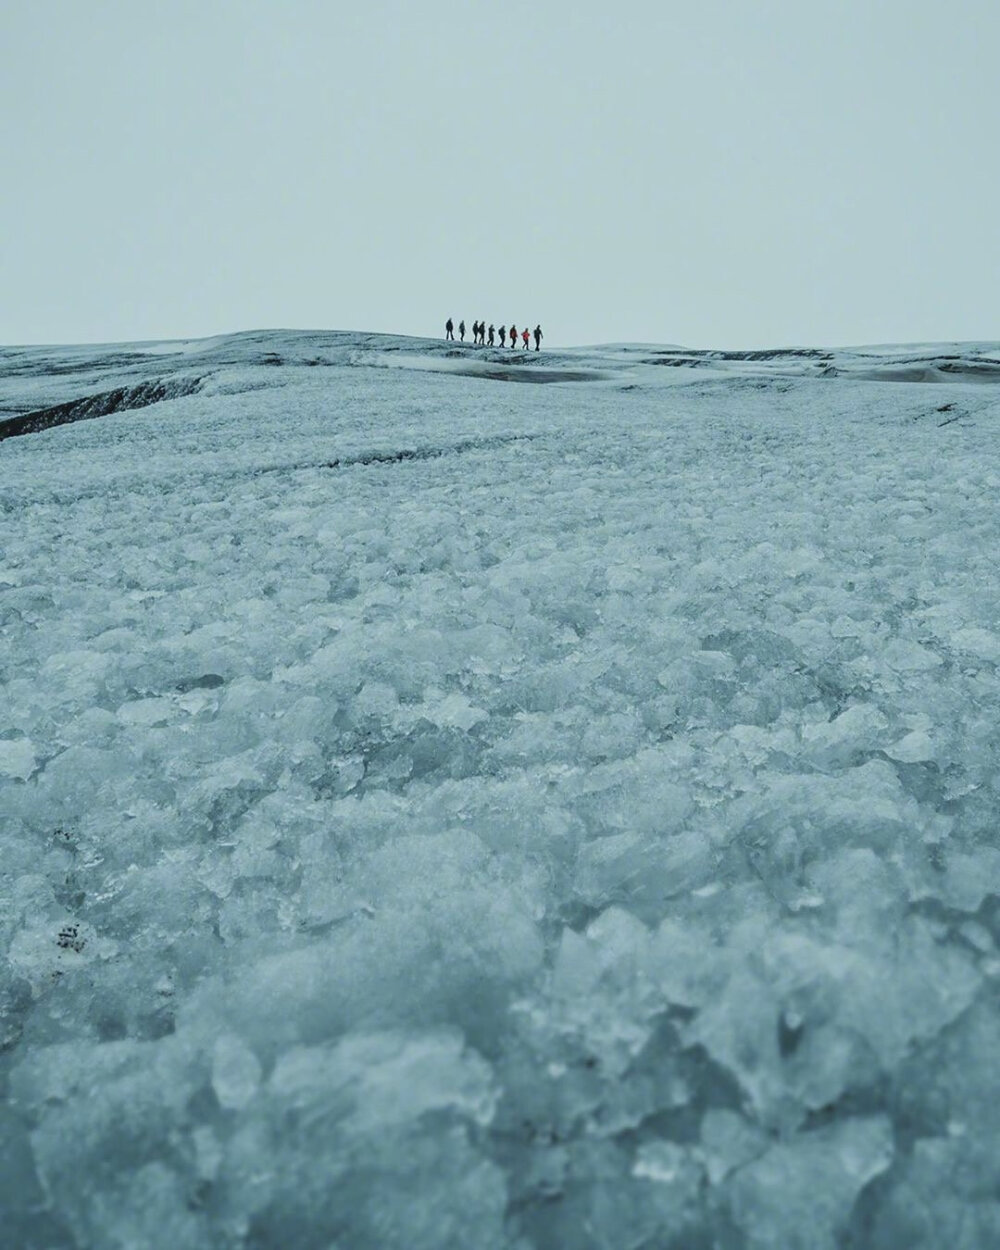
712 174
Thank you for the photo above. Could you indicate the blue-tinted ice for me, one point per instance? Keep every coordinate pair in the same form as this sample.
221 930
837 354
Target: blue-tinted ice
439 813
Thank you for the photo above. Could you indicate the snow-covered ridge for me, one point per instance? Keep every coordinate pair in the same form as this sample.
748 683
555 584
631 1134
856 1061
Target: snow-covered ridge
46 386
442 813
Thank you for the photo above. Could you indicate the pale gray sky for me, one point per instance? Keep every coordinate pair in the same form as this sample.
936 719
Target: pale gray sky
707 172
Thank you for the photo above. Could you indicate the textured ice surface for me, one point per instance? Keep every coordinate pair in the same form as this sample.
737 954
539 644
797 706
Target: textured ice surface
440 813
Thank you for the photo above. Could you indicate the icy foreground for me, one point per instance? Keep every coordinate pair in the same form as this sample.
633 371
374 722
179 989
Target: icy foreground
439 812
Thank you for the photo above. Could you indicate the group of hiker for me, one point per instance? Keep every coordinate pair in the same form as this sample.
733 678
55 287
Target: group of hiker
487 337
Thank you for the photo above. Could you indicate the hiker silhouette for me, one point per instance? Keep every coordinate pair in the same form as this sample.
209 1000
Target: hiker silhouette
507 336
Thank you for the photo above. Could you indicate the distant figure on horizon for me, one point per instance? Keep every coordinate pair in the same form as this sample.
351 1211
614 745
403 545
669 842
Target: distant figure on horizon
461 330
503 336
482 333
449 330
538 337
513 336
475 332
525 335
492 333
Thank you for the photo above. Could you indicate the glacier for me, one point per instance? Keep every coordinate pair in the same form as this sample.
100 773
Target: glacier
437 812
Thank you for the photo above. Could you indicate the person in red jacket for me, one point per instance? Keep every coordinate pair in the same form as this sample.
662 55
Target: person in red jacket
525 335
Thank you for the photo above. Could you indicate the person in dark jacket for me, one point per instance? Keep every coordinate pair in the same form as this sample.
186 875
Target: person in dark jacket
538 337
513 335
492 333
525 335
503 336
461 331
449 330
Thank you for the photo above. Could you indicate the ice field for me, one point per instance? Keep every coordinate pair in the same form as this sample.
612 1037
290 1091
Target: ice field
441 813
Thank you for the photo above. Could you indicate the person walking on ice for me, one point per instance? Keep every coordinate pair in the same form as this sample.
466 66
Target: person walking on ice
492 332
538 337
525 335
449 330
513 336
461 331
503 336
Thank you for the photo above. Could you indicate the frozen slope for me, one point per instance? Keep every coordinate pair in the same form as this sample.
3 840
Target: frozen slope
438 812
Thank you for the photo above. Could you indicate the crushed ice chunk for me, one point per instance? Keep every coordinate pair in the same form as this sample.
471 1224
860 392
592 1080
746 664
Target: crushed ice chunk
728 1141
641 869
17 758
910 657
978 936
913 748
800 1193
146 713
859 728
236 1072
44 949
663 1162
452 711
717 663
846 627
386 1079
209 1152
77 676
968 878
984 644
